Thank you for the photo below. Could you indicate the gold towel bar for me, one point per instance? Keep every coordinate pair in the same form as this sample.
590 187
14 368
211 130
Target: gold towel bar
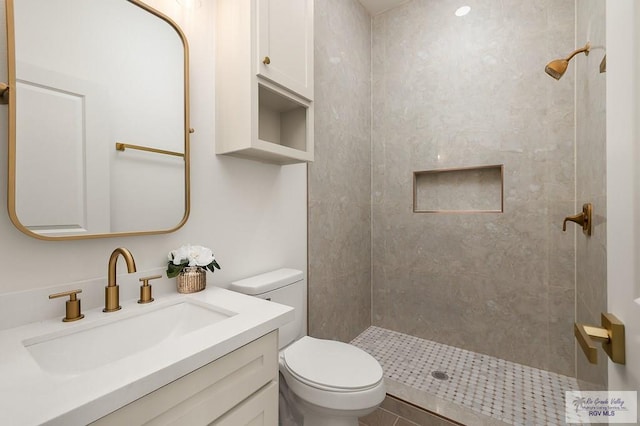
122 146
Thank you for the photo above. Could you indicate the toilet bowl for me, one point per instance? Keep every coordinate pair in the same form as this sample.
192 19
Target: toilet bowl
326 382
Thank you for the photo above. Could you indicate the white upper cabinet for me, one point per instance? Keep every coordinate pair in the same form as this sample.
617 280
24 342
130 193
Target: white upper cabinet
264 80
285 44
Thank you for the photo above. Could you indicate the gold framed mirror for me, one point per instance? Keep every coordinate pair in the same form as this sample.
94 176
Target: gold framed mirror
98 98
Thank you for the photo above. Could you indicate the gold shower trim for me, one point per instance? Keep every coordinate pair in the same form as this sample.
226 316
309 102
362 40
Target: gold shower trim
4 94
611 334
558 67
584 219
122 146
416 174
603 65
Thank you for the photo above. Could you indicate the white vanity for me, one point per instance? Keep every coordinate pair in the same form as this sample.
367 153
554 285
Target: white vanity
207 357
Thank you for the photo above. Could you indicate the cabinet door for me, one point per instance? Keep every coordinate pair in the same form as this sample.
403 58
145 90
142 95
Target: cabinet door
285 44
259 410
208 392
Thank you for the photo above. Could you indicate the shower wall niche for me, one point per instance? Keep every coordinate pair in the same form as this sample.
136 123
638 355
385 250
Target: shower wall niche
460 190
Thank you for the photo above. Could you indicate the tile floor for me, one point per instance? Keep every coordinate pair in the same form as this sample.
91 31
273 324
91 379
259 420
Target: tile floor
394 412
494 388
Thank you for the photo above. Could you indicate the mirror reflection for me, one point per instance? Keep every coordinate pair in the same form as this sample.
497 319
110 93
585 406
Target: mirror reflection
99 119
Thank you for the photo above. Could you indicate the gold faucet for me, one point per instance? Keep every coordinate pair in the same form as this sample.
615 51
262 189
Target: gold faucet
111 291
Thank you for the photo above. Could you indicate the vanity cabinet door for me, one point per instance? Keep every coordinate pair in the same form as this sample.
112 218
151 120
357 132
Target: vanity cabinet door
285 44
260 409
206 394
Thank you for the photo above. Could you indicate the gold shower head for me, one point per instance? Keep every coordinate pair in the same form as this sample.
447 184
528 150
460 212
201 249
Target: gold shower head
557 68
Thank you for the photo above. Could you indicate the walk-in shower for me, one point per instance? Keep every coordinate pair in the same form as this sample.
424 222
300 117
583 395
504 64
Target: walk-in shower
497 281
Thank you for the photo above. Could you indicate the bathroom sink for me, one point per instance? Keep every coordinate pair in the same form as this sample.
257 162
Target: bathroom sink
118 335
77 372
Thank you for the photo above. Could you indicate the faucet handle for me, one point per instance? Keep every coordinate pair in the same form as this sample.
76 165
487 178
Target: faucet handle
72 306
145 289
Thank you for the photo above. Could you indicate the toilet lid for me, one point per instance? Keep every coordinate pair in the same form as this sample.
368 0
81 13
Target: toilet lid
331 364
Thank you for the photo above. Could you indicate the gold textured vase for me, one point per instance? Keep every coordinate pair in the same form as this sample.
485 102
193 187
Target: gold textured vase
192 279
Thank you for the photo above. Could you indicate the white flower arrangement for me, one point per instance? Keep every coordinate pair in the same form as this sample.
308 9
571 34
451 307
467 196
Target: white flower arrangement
189 255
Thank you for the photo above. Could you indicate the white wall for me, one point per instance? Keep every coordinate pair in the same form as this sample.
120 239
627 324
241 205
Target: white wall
252 215
623 184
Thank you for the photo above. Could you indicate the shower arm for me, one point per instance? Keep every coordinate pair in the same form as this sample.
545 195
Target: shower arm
585 49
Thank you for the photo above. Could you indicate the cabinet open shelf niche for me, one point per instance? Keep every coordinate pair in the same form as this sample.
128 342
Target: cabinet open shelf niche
281 129
459 190
281 120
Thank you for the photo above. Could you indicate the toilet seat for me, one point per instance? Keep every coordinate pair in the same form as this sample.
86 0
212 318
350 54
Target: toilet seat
331 365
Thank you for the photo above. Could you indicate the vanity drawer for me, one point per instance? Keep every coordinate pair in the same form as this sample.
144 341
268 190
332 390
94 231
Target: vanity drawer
207 393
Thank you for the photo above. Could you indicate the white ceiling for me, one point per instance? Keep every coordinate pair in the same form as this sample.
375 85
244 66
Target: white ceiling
378 6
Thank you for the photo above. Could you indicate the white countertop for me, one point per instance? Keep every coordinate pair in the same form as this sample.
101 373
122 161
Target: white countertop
31 396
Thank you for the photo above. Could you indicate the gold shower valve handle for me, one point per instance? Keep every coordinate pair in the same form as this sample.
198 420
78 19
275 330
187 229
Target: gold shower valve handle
145 289
73 312
611 334
586 334
583 219
578 218
4 93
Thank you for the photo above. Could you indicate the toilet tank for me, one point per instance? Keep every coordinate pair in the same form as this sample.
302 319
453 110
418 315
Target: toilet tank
284 286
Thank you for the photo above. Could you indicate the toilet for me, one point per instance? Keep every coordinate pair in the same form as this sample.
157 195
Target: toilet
322 382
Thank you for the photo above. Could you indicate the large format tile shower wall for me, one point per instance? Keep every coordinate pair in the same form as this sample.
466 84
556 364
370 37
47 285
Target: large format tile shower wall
458 92
340 176
591 260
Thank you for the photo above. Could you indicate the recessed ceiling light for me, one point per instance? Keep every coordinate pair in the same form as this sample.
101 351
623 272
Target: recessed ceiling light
463 10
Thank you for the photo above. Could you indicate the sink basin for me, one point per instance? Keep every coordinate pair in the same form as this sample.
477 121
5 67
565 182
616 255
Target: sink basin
116 336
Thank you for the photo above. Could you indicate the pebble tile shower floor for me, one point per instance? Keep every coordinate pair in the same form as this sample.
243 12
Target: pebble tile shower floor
509 392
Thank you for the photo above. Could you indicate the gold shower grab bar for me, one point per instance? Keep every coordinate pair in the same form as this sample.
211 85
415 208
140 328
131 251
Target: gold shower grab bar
122 146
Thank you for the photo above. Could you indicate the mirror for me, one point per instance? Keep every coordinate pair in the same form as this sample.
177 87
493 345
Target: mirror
98 119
